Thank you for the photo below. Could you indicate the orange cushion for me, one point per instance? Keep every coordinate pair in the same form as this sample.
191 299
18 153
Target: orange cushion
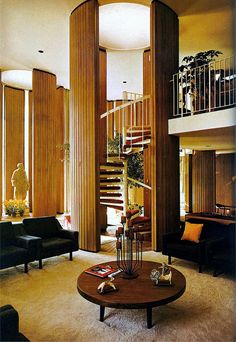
192 231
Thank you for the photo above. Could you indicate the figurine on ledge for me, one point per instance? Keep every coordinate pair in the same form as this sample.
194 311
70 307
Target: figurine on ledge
107 286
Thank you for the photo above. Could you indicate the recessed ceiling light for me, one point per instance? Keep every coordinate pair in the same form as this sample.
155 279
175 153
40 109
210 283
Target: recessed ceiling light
40 51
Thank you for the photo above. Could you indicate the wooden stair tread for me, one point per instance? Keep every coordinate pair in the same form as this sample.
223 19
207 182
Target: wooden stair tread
111 200
137 134
108 187
141 219
139 139
140 127
110 180
111 172
110 194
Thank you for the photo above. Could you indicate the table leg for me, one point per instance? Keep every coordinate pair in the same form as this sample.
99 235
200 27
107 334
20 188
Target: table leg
149 317
102 312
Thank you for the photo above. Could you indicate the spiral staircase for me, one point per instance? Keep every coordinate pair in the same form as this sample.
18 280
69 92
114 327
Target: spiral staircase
131 121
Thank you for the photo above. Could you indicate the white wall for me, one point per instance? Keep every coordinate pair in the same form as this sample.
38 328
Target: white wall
124 66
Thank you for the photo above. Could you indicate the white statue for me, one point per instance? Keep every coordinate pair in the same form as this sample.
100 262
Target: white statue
20 182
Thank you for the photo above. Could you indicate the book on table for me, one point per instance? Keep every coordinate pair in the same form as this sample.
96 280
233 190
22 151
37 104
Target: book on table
101 271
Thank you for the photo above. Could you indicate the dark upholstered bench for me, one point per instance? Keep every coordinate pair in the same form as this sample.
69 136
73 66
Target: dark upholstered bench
54 239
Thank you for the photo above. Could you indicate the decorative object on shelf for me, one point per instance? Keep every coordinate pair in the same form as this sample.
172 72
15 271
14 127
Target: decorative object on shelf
107 286
162 277
16 208
129 249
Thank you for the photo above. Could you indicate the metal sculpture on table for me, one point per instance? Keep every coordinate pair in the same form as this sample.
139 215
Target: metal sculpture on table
129 249
163 277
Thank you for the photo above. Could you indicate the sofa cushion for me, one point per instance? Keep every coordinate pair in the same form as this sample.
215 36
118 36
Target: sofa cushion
44 227
6 234
12 255
183 249
192 232
56 246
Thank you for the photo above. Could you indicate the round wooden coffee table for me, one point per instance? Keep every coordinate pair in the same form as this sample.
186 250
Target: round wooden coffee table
135 293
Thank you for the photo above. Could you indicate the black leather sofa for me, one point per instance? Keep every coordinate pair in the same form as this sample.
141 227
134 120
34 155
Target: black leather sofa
173 246
16 247
54 239
9 325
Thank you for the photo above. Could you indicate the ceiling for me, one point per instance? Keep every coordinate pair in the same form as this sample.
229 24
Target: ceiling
28 26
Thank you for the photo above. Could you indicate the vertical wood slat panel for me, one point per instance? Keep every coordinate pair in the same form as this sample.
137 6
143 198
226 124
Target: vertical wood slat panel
102 212
67 188
84 78
1 113
147 152
225 179
187 180
14 115
30 149
164 148
59 175
203 171
44 143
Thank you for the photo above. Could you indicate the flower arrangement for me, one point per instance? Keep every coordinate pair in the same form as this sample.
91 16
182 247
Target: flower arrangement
15 207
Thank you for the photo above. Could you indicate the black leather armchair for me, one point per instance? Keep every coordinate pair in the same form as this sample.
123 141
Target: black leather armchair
173 246
221 252
54 239
16 247
9 325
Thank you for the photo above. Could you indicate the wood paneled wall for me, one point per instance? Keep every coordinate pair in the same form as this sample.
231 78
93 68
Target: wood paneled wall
187 181
44 143
102 125
204 180
14 100
30 116
147 152
67 187
84 107
60 101
1 94
164 148
226 179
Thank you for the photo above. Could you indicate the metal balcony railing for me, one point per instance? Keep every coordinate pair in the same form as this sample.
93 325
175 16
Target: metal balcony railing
205 88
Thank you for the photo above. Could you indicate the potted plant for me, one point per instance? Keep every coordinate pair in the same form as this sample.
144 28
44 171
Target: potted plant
195 79
15 207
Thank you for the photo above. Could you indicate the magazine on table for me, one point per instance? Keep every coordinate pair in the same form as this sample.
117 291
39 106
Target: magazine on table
101 271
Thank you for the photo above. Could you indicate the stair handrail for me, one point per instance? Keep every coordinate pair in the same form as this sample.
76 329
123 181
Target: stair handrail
139 183
110 111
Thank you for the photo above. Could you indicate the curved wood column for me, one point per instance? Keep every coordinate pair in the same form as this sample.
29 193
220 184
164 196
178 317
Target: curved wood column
44 144
84 95
164 148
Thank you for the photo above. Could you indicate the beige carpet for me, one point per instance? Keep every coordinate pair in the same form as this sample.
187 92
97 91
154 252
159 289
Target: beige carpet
51 309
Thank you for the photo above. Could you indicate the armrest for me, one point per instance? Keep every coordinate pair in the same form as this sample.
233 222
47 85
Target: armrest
26 241
33 244
69 234
9 322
